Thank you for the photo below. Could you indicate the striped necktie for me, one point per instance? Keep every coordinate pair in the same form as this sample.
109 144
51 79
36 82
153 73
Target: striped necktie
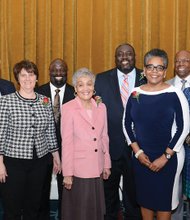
125 90
56 106
183 81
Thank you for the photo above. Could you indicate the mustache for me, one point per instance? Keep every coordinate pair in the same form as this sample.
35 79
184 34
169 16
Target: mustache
58 76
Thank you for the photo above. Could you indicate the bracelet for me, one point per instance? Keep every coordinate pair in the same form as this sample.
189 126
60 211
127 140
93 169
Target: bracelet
138 153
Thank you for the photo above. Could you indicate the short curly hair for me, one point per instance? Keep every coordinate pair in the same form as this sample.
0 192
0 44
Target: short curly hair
156 52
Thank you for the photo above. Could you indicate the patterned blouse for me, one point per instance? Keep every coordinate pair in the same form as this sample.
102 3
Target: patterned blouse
26 124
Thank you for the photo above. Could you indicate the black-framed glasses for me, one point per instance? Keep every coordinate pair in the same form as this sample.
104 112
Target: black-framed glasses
151 67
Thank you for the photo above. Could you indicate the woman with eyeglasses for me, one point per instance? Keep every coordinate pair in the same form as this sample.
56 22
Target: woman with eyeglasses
155 125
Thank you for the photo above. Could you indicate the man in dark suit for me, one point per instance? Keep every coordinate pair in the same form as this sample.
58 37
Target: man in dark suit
58 80
6 87
109 85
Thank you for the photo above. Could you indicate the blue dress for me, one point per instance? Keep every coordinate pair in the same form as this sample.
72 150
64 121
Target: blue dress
186 168
156 120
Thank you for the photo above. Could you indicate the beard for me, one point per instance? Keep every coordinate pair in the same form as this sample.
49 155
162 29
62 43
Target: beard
125 70
58 82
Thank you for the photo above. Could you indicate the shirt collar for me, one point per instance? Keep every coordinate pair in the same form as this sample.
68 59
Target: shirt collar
121 74
178 79
53 88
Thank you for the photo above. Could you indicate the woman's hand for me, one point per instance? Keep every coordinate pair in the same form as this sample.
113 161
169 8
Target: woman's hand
56 163
144 159
67 182
106 173
158 164
3 171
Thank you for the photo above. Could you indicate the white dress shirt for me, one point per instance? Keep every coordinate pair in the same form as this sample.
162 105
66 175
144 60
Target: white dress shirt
178 84
131 79
61 93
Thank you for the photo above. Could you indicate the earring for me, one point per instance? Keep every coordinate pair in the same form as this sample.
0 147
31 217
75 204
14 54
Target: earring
94 92
75 94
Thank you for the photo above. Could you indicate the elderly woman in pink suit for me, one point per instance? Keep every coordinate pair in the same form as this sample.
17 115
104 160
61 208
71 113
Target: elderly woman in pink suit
85 151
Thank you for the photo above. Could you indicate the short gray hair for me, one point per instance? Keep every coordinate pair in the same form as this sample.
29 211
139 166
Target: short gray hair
80 73
156 52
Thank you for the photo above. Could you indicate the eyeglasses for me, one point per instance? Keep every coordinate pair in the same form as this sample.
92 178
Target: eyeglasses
151 67
182 61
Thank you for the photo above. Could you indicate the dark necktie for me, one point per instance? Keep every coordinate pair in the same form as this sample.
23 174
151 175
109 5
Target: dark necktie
56 106
183 81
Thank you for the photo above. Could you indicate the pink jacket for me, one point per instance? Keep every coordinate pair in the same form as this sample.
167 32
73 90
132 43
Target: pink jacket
85 143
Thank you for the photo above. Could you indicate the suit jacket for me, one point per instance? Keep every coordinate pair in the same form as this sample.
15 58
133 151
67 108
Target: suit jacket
6 87
171 81
107 87
20 128
85 144
68 95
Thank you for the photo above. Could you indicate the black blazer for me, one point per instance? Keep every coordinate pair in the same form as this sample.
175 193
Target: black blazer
107 86
68 95
6 87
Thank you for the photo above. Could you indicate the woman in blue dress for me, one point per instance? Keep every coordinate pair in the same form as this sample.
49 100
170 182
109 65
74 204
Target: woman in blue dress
155 125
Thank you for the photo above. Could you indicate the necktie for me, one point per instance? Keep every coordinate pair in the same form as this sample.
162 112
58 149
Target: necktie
56 105
183 81
125 90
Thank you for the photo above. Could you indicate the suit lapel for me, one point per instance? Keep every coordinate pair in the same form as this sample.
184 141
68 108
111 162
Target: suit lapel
48 91
69 93
95 115
115 88
85 115
140 79
173 81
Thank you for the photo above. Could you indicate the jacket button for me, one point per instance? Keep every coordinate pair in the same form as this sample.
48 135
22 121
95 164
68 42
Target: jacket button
96 150
94 139
93 128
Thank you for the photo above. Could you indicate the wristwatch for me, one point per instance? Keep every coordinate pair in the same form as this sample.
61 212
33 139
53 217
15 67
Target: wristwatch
167 155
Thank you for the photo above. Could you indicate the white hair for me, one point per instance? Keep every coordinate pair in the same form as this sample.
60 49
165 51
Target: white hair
82 72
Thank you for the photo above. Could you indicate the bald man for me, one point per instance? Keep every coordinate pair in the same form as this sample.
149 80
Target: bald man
181 81
58 80
182 69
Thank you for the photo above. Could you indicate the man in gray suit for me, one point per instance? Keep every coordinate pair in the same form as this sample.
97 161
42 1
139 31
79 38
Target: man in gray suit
182 70
181 81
